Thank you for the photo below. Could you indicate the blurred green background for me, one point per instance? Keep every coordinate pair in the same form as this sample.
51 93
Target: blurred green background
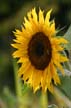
11 17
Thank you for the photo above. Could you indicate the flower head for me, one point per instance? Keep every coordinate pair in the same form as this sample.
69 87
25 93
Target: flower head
39 51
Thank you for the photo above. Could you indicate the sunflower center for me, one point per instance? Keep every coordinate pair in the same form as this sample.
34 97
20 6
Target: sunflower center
39 51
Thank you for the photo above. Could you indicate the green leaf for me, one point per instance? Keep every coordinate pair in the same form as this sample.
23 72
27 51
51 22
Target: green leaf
67 36
66 85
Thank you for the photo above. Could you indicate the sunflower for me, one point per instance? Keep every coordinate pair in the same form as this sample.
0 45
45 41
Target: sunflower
39 51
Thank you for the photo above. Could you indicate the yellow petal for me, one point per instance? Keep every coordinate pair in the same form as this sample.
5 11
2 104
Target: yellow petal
44 80
52 28
63 59
62 40
18 46
59 66
41 17
25 66
27 74
28 27
47 18
23 59
34 14
59 40
56 47
33 22
36 79
19 53
21 35
27 24
17 32
49 76
59 57
54 74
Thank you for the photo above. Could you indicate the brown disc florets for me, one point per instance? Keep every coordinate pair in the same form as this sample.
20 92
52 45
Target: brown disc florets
39 51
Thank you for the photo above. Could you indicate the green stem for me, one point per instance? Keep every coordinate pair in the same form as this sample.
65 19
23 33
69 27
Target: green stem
44 100
17 84
17 80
